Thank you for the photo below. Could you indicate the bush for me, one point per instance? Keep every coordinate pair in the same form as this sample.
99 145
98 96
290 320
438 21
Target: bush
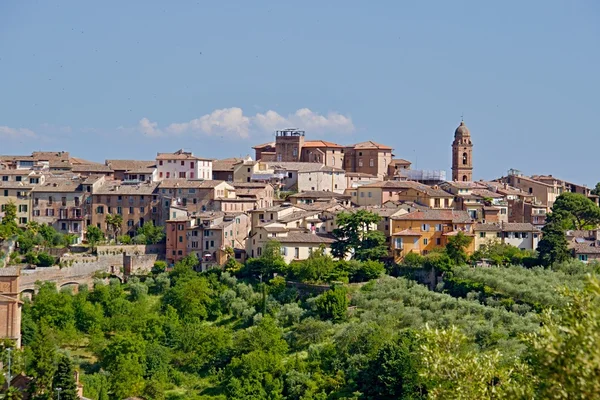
31 258
124 239
333 304
45 260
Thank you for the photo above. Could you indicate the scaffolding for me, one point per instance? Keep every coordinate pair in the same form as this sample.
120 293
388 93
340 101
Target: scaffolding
423 175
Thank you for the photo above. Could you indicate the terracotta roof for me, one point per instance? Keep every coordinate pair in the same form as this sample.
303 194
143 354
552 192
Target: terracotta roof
50 155
262 146
370 145
486 193
321 143
400 161
301 166
91 168
118 188
586 247
318 194
24 172
302 237
255 185
454 233
359 175
462 130
186 183
179 155
436 215
59 185
430 191
16 185
126 165
506 227
407 232
225 164
297 215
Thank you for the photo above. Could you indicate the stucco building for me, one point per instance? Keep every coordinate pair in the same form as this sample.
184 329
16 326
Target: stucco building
525 236
183 165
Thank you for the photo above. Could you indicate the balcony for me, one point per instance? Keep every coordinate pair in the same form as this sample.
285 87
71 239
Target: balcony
74 213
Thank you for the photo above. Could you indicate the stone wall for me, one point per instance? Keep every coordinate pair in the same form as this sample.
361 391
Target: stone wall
120 261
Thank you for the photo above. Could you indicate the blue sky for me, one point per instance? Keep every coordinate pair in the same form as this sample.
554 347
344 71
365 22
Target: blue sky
125 79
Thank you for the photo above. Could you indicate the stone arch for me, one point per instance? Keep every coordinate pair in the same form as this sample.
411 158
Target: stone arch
73 286
465 158
27 294
465 179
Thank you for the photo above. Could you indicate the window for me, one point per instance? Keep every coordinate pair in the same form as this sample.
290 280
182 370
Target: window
50 212
283 251
194 245
119 210
465 159
18 179
583 257
398 243
362 194
370 194
438 241
130 210
360 153
130 222
360 164
438 228
333 160
5 178
525 235
310 251
425 242
295 151
50 200
142 210
160 162
259 251
425 227
371 163
499 234
99 209
179 252
296 252
5 193
23 220
168 174
191 164
160 175
23 208
182 174
212 243
63 226
481 234
154 210
180 239
63 201
290 174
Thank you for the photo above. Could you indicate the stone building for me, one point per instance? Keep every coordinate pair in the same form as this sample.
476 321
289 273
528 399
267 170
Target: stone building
368 158
10 305
137 203
462 154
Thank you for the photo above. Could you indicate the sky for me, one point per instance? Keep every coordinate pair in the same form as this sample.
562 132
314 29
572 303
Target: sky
128 79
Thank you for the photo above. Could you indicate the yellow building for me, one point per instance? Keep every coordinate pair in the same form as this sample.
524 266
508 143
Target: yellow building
377 193
423 231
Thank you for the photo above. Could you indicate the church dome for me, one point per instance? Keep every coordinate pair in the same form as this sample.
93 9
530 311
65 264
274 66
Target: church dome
462 130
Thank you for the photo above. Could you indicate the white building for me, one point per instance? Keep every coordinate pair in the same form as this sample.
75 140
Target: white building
525 236
182 164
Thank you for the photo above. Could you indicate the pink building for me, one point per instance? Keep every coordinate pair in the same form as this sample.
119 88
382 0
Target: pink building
182 164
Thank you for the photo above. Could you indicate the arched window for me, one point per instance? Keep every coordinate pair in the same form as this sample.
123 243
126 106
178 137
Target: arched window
464 178
465 159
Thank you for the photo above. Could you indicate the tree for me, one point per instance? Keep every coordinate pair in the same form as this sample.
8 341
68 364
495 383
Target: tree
564 353
8 225
114 222
553 248
125 359
394 371
64 378
43 358
45 260
456 248
270 261
355 235
596 189
153 234
333 304
585 214
316 268
94 235
13 394
451 369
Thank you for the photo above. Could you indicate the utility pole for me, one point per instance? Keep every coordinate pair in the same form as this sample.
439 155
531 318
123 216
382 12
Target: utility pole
8 350
58 390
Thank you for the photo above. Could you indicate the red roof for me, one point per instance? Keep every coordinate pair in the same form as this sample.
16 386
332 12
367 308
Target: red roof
321 143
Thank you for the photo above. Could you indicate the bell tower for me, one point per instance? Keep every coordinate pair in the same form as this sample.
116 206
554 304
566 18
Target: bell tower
462 154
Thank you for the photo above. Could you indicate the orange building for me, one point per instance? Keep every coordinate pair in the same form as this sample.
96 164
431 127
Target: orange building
423 231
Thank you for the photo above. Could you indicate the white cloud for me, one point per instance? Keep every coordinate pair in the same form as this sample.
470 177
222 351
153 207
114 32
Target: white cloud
232 122
225 122
149 128
16 132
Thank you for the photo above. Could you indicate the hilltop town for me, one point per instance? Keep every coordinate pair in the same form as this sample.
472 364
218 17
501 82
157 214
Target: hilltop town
291 191
155 276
